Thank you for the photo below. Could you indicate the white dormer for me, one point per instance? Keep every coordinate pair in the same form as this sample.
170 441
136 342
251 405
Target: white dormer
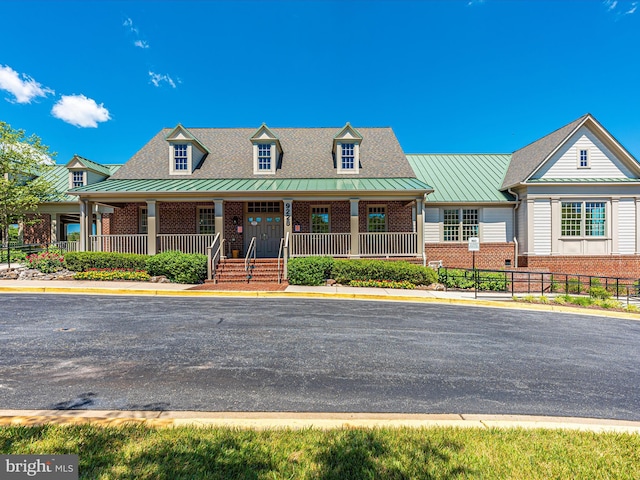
266 151
346 148
185 151
83 171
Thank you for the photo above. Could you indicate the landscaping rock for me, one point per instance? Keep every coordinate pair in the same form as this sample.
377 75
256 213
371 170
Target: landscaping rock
438 287
159 279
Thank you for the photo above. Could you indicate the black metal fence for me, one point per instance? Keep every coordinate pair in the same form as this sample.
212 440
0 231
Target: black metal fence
542 283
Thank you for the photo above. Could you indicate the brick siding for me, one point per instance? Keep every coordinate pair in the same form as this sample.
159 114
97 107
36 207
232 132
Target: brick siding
621 266
39 232
457 255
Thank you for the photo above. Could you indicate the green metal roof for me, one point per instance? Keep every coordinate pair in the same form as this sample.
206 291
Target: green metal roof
583 180
104 169
467 178
255 185
58 175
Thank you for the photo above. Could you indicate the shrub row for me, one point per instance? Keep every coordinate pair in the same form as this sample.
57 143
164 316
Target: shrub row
178 267
116 274
315 270
463 279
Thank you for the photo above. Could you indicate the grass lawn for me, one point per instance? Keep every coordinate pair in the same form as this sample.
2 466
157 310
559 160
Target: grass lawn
140 452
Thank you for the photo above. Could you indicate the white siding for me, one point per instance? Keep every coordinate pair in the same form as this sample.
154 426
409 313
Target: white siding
521 220
431 225
542 227
603 164
497 224
626 225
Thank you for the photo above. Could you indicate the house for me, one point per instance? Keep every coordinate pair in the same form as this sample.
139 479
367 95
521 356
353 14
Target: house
58 218
343 192
568 202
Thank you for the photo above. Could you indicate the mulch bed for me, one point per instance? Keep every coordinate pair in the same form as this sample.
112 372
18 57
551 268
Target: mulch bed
242 287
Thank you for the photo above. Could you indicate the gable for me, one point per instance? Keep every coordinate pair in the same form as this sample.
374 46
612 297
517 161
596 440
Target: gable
603 163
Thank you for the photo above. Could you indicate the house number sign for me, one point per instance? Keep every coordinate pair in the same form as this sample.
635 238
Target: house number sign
287 213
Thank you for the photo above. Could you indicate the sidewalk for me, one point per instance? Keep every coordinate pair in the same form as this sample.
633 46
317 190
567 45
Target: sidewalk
300 420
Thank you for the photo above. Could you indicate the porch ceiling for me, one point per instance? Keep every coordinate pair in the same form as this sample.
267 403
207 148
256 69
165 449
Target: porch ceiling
267 185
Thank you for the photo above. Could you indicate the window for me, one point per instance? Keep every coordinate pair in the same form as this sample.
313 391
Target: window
206 220
264 156
377 219
77 179
459 224
263 207
143 220
180 157
319 219
583 219
348 156
583 158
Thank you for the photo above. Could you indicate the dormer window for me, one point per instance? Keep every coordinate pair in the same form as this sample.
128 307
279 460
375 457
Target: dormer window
77 179
346 148
180 157
266 151
348 156
264 157
186 152
583 158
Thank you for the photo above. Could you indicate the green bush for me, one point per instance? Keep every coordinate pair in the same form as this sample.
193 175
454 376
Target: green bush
599 293
178 267
463 279
83 261
17 256
382 284
344 271
309 270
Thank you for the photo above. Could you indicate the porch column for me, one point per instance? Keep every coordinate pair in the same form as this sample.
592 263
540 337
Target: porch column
355 228
218 221
420 225
55 222
288 216
86 222
152 227
98 222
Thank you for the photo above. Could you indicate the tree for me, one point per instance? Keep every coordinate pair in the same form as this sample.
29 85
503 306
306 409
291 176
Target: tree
23 162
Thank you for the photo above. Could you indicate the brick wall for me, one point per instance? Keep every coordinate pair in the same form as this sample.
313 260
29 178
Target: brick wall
39 232
398 216
233 209
339 215
457 255
622 266
123 221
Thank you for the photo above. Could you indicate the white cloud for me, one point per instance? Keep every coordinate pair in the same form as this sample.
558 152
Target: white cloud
141 44
632 10
157 79
21 86
129 24
80 111
475 2
610 4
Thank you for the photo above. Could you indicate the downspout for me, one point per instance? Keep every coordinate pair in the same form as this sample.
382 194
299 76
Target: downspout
515 225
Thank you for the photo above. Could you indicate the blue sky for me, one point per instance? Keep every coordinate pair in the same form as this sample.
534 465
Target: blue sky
101 78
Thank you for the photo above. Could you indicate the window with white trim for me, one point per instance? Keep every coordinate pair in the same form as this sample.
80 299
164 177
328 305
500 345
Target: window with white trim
459 224
347 157
583 219
264 156
206 220
583 158
320 219
143 220
180 157
376 219
77 179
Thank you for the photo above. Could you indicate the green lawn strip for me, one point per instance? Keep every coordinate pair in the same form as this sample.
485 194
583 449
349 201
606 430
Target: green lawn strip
140 452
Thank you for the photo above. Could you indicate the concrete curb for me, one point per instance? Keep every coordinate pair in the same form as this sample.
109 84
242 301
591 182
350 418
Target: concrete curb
323 295
275 420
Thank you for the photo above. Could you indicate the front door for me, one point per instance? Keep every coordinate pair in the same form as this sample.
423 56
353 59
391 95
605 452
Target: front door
263 220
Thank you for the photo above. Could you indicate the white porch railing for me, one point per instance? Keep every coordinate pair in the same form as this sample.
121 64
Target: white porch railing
389 244
185 243
119 243
330 244
67 246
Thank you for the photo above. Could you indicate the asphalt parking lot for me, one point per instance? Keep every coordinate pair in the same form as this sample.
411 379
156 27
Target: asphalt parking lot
309 355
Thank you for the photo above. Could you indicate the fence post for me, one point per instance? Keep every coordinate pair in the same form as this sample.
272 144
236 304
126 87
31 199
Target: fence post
512 284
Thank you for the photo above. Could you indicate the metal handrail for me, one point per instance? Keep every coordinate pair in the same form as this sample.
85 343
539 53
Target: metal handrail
284 248
251 251
212 263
